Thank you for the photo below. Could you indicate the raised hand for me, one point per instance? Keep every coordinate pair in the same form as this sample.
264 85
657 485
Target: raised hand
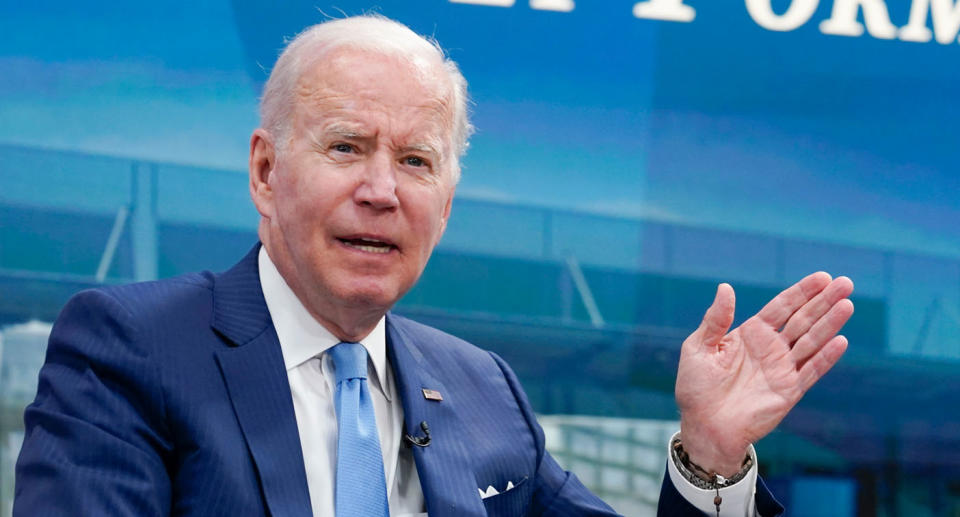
734 388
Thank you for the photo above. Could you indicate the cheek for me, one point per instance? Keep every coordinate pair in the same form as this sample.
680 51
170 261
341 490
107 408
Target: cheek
304 201
432 226
298 219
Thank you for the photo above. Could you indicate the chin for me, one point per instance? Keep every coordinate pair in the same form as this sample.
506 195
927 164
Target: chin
370 296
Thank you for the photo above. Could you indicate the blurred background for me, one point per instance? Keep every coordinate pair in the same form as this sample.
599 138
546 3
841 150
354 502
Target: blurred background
629 156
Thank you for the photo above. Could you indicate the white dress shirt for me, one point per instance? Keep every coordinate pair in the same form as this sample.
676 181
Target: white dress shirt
738 499
310 372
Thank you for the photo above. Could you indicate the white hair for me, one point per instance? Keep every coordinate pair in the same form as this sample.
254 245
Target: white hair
370 32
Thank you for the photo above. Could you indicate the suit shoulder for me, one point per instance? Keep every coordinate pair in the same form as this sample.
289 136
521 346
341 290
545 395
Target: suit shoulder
435 340
154 298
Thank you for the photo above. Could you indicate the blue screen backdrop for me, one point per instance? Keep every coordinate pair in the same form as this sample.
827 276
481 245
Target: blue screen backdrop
628 156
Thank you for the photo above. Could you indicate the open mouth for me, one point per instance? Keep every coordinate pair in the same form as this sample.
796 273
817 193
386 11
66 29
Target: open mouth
368 245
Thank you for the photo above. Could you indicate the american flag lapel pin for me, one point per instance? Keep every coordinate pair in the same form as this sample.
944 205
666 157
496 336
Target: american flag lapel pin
432 394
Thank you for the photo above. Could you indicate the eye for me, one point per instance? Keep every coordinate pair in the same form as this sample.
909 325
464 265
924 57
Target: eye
415 161
342 148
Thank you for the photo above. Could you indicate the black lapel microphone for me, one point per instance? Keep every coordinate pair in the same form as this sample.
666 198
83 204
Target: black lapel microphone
419 441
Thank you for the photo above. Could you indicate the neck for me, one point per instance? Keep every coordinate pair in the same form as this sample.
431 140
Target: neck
347 322
350 326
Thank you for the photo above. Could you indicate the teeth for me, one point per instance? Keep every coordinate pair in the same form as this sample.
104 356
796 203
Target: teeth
370 249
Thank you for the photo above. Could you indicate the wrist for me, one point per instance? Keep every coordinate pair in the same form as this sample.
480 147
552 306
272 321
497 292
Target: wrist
699 476
697 489
708 455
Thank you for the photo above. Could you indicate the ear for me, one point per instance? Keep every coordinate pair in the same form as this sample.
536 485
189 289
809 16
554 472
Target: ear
263 160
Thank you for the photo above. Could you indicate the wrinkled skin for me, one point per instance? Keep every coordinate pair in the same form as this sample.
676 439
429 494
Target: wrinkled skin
354 203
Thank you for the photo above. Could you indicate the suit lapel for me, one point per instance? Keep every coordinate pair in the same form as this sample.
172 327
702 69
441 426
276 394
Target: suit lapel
449 485
256 379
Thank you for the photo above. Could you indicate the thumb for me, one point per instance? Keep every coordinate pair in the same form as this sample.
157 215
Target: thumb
716 322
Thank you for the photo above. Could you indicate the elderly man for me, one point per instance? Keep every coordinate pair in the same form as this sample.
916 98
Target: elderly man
285 387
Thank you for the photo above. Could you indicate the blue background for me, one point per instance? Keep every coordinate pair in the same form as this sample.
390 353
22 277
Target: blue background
660 157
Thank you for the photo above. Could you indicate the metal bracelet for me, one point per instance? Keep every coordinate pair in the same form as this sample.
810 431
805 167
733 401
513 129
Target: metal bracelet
704 479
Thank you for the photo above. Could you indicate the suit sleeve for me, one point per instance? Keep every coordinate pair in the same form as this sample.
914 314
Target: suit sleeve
94 441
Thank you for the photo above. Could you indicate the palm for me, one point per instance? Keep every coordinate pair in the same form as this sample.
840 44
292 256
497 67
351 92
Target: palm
734 388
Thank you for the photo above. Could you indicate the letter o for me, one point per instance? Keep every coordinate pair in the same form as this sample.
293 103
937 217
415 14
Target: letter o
797 14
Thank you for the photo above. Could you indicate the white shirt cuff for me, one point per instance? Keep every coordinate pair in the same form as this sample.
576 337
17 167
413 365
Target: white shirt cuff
738 499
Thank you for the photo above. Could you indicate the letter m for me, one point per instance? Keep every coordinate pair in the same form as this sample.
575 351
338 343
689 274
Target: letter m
946 21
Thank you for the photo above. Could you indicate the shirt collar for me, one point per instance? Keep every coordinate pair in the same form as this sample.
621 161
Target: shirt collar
301 336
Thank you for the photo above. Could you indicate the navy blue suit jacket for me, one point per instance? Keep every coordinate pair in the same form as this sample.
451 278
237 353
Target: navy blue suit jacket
171 398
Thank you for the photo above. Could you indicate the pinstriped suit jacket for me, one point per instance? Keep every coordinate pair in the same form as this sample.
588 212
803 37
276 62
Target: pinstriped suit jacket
171 398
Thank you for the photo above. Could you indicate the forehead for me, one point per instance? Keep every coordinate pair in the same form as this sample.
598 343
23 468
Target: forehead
345 81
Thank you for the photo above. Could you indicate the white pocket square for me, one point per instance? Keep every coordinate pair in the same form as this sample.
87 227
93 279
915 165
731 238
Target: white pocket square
493 491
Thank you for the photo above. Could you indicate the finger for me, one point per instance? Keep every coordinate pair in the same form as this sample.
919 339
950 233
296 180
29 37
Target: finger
812 311
822 331
821 362
718 318
778 310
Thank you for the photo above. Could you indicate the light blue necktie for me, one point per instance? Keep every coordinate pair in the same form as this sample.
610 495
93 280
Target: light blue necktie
361 485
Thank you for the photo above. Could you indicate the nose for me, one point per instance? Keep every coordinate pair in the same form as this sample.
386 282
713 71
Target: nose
378 188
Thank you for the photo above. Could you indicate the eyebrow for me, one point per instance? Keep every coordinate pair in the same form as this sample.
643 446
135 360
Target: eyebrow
352 131
345 131
423 148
